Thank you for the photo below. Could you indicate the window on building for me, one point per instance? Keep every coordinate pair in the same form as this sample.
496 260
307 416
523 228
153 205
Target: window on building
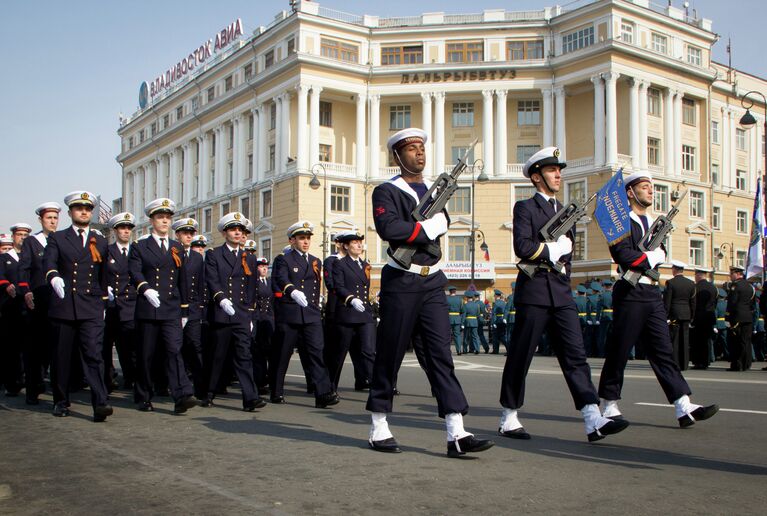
660 198
523 192
653 151
326 152
195 103
653 102
694 55
251 126
460 202
272 116
230 140
230 174
179 112
406 55
741 180
458 249
399 117
326 114
740 258
211 93
269 59
716 178
575 191
213 143
339 50
225 208
457 152
741 222
627 32
579 247
166 121
740 139
689 111
272 157
688 158
714 131
465 52
578 39
212 181
130 142
697 204
463 114
249 171
716 217
141 136
266 204
525 152
696 252
153 128
291 46
659 43
529 112
228 83
207 220
248 71
524 50
340 199
245 206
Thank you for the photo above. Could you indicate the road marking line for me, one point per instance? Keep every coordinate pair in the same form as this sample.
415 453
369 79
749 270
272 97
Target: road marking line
742 411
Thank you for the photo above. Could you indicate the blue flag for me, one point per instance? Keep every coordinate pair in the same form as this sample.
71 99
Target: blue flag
612 211
755 263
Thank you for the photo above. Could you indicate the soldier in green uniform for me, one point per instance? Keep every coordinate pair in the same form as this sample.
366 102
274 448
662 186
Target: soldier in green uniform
605 319
470 323
595 318
499 323
719 346
455 309
582 305
757 339
481 320
509 315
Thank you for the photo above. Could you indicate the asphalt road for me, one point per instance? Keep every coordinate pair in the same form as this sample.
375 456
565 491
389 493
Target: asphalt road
295 459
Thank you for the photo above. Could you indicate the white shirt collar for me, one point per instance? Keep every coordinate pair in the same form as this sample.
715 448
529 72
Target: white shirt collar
546 197
232 249
403 185
77 230
633 215
157 240
120 247
13 253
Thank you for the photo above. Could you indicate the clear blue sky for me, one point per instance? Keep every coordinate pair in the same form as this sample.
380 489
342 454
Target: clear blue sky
71 67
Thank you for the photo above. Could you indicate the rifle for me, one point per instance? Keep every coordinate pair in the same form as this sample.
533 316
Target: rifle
560 224
653 239
436 198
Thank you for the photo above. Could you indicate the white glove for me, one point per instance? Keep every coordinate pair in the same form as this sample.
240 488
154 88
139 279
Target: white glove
462 327
153 297
716 331
656 257
726 324
184 320
565 244
358 305
435 226
251 326
110 294
504 321
299 297
58 286
227 306
597 323
589 323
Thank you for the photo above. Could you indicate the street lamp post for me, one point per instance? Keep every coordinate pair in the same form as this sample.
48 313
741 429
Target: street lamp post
727 246
481 178
314 184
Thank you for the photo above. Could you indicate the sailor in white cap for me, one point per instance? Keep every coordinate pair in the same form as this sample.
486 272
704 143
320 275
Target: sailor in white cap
679 300
704 320
249 246
199 243
74 259
264 326
6 243
120 330
741 297
296 280
411 298
162 308
11 319
330 336
638 313
229 273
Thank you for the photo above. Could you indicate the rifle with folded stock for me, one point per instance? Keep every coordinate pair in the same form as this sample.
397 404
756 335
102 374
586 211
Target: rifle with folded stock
430 204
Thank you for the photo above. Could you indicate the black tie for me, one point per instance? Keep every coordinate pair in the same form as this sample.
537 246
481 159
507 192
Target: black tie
306 257
162 246
81 232
553 203
643 218
359 263
125 252
234 252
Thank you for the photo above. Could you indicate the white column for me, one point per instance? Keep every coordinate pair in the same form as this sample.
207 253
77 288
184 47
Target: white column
204 166
501 143
359 137
236 151
256 146
301 109
314 125
175 183
375 144
611 117
599 121
263 142
548 118
634 129
188 187
487 131
162 176
277 135
561 141
669 160
733 125
426 126
219 161
148 190
136 208
643 85
678 132
285 132
439 131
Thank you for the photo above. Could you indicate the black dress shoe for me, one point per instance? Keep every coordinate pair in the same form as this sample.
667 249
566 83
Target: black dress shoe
699 414
733 369
468 444
60 409
459 353
11 394
612 427
517 433
146 407
128 385
387 445
362 386
183 404
263 391
251 405
326 400
476 352
278 400
101 412
310 389
396 392
206 402
32 400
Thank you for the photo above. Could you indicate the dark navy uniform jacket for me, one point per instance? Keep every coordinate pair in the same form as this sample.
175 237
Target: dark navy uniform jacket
290 272
31 271
626 255
151 269
740 302
264 301
545 288
332 302
705 303
350 282
85 278
9 275
118 277
196 286
227 278
393 205
679 298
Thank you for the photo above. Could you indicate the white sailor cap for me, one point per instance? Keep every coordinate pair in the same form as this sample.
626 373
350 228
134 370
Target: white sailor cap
48 206
231 220
80 198
161 205
302 227
248 226
406 136
184 225
737 268
6 239
122 219
262 261
678 264
545 156
21 226
250 245
704 270
199 241
636 177
347 236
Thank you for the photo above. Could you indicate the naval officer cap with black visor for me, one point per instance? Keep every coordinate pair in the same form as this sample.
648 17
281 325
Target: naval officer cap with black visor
161 205
122 219
232 220
302 227
187 224
542 158
79 198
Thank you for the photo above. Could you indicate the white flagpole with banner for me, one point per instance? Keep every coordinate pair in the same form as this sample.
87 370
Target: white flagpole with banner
755 263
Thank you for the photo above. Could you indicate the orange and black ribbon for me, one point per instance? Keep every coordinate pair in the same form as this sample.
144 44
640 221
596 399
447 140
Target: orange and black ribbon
245 265
316 268
95 255
176 257
367 271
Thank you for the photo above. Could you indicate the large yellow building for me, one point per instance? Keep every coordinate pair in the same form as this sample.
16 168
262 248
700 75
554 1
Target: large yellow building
245 122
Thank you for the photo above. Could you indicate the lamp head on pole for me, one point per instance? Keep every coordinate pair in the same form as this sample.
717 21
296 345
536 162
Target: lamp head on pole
480 165
315 182
747 121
